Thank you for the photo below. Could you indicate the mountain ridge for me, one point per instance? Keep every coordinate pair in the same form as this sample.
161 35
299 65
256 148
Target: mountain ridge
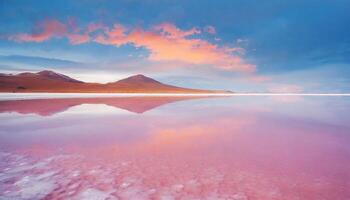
53 82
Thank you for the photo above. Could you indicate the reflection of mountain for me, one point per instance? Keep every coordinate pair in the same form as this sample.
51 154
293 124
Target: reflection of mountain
47 107
49 81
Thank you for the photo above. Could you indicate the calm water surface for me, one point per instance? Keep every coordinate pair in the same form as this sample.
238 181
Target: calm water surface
176 148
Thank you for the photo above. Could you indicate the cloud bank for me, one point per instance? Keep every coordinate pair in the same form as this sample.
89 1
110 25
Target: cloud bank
165 42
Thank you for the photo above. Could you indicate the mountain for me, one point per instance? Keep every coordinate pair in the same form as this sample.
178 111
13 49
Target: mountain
56 76
44 81
49 81
139 78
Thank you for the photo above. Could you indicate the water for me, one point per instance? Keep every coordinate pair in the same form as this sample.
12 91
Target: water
176 148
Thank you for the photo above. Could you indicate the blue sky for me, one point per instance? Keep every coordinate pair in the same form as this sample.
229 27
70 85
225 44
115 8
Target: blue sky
244 45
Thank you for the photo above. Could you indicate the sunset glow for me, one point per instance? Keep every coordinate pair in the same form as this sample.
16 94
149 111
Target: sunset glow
174 100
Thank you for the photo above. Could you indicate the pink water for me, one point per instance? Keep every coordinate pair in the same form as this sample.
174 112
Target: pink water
175 148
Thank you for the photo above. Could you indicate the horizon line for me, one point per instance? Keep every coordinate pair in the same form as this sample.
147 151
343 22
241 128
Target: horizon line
27 96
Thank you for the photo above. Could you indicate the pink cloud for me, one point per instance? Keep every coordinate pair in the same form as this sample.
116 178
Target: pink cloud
78 38
165 42
55 29
45 31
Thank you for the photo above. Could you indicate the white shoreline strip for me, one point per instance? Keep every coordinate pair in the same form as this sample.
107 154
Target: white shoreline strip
21 96
291 94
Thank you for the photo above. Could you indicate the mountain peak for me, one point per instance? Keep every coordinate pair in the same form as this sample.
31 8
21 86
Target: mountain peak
57 76
47 72
139 78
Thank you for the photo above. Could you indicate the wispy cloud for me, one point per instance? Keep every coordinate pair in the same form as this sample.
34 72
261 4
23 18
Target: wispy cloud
165 42
259 78
210 30
36 60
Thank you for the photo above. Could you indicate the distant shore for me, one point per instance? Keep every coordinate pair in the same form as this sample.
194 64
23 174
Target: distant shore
22 96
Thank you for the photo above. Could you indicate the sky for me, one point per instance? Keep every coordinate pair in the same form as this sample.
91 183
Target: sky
237 45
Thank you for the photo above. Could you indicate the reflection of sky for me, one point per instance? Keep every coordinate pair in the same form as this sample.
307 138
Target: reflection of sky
239 147
99 119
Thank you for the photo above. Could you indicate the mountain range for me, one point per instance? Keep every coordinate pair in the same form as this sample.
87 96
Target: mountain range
50 81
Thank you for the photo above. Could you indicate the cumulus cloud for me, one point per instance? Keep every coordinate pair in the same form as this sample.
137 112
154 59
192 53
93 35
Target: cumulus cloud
165 42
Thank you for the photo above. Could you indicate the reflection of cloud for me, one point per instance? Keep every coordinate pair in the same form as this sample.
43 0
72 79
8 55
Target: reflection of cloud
287 99
183 137
166 42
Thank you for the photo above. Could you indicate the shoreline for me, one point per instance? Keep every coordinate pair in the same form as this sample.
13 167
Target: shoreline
25 96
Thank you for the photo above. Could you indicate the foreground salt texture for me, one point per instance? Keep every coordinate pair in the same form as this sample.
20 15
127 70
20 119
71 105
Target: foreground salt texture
80 177
68 177
23 178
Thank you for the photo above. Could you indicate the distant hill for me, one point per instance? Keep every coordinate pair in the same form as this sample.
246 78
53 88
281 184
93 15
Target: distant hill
49 81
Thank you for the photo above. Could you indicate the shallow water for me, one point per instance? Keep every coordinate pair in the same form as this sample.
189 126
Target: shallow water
175 148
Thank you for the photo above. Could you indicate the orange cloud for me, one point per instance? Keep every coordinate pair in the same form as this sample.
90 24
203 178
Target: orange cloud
166 42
